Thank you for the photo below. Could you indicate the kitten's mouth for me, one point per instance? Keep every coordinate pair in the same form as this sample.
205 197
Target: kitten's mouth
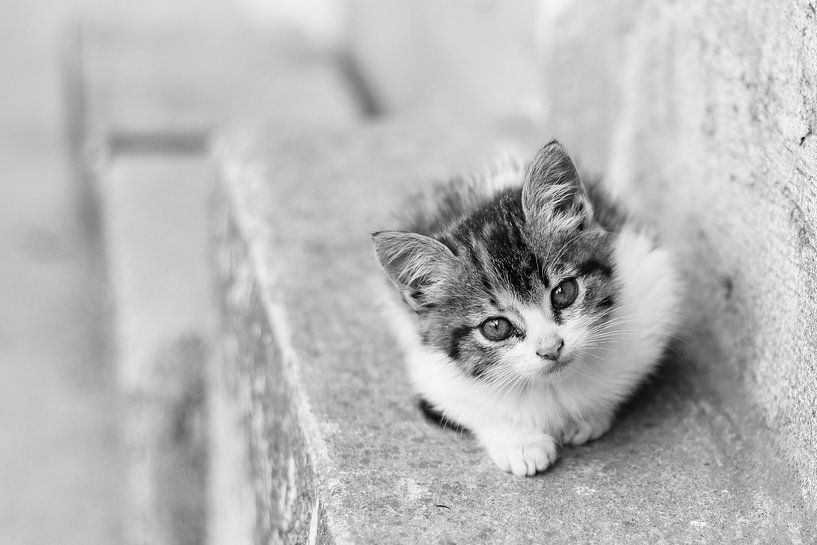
558 366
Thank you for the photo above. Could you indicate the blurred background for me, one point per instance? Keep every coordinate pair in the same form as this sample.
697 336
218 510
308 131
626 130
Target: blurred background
701 116
81 78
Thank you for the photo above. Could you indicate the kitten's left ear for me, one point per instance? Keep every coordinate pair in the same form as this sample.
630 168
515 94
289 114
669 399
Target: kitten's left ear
553 195
416 264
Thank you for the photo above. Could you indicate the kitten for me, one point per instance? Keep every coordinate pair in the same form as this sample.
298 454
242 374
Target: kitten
531 306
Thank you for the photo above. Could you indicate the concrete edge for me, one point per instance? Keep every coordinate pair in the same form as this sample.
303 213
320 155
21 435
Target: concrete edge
324 528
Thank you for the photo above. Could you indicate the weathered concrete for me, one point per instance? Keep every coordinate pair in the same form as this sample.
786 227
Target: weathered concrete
338 450
703 115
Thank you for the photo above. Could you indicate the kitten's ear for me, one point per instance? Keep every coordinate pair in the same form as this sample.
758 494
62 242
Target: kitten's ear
553 195
416 264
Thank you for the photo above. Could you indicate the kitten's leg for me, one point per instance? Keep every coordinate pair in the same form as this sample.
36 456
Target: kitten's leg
580 431
519 452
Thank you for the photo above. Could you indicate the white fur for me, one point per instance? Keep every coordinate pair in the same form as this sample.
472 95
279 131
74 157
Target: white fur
521 426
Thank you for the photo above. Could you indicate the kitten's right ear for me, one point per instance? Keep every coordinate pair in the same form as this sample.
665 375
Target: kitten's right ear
416 264
553 195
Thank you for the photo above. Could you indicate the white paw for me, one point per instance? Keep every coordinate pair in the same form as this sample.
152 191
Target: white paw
581 431
523 456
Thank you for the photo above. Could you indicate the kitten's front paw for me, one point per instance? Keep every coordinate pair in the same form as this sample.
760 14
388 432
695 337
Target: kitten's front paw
581 431
523 456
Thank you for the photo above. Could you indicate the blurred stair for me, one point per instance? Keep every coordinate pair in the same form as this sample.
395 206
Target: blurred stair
148 90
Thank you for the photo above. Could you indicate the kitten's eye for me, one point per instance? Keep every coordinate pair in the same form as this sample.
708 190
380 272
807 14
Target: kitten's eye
564 294
496 329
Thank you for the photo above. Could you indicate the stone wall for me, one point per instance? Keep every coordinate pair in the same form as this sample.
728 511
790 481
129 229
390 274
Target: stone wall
703 116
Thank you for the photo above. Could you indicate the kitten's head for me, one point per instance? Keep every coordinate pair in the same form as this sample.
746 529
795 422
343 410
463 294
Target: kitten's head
519 289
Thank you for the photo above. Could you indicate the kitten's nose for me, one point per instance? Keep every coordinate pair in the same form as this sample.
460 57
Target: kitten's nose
550 348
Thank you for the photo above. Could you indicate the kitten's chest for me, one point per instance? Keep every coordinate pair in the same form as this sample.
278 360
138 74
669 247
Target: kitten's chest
541 407
550 407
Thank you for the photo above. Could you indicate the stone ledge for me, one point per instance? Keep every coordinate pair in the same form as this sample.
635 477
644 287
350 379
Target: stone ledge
338 451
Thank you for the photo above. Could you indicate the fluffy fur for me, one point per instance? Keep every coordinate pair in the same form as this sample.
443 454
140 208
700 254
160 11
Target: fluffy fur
496 337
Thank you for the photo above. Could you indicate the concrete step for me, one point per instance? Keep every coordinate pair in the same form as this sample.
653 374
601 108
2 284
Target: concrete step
339 453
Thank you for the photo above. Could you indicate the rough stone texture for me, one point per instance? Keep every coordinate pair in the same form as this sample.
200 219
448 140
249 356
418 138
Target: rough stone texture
442 57
255 378
704 115
325 398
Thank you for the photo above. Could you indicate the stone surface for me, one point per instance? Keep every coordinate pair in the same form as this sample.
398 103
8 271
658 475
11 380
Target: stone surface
704 116
340 453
